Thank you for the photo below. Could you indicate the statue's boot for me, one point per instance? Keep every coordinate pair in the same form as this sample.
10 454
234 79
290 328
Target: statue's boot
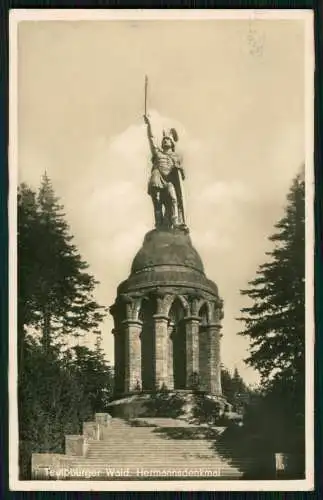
158 216
158 210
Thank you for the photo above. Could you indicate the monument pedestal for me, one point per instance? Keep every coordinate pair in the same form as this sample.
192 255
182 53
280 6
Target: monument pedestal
180 404
167 318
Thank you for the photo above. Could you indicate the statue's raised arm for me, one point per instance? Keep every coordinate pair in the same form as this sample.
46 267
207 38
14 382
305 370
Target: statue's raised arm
151 139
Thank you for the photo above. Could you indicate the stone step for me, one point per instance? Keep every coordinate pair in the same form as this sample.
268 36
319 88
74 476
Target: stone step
165 458
139 473
136 458
152 440
152 445
152 449
169 457
220 468
143 459
162 450
148 466
148 444
143 445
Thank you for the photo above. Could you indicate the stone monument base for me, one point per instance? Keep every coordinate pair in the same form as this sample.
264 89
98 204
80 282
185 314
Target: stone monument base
182 404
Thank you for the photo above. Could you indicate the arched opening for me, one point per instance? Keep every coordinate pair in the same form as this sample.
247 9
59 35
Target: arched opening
203 314
147 310
176 315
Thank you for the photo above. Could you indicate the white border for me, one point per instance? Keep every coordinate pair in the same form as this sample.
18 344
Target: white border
153 14
309 246
18 15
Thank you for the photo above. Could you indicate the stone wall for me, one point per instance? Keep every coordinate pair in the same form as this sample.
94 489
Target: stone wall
44 465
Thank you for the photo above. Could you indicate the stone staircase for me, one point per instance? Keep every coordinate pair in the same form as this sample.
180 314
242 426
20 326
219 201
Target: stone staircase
142 448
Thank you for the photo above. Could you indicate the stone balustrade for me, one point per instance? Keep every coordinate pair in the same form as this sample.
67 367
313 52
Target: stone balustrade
44 464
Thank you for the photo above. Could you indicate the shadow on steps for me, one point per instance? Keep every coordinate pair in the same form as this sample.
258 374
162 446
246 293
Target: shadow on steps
199 433
252 455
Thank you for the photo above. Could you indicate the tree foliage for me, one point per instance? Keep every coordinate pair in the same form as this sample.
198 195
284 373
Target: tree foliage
55 289
275 323
234 389
59 386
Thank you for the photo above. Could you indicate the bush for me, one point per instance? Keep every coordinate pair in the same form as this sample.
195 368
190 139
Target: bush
165 404
207 410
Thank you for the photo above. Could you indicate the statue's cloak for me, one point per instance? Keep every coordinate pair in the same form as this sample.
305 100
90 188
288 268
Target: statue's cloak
159 179
177 181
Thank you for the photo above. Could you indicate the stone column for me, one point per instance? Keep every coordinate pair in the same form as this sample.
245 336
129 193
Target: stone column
132 379
170 378
192 324
204 359
209 358
119 361
215 358
161 350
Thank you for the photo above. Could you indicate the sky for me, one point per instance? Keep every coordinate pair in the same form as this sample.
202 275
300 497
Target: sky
235 94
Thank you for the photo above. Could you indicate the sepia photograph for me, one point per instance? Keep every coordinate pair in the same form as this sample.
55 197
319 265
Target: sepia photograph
161 239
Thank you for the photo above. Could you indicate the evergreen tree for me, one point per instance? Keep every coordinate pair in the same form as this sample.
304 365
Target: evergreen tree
55 289
275 323
241 393
58 389
51 403
238 383
226 383
234 389
94 374
28 237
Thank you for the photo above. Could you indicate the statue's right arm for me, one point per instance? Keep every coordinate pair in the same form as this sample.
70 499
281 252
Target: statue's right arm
151 139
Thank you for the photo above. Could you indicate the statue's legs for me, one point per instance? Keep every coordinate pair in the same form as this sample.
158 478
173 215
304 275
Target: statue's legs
167 210
158 207
173 203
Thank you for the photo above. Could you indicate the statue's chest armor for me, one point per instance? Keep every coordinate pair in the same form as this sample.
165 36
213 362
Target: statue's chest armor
165 163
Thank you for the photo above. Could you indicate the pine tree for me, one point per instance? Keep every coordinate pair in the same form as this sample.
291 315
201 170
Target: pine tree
94 374
234 388
59 297
275 323
238 383
226 383
241 392
58 390
28 237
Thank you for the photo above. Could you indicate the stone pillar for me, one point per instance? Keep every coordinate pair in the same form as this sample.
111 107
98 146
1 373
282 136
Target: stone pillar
161 350
209 358
215 358
119 361
170 378
192 325
132 378
204 359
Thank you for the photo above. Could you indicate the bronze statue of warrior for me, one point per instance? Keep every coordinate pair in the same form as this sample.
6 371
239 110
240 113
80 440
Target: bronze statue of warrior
164 185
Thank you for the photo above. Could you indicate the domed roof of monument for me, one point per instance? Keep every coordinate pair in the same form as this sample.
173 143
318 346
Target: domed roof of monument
167 258
167 248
